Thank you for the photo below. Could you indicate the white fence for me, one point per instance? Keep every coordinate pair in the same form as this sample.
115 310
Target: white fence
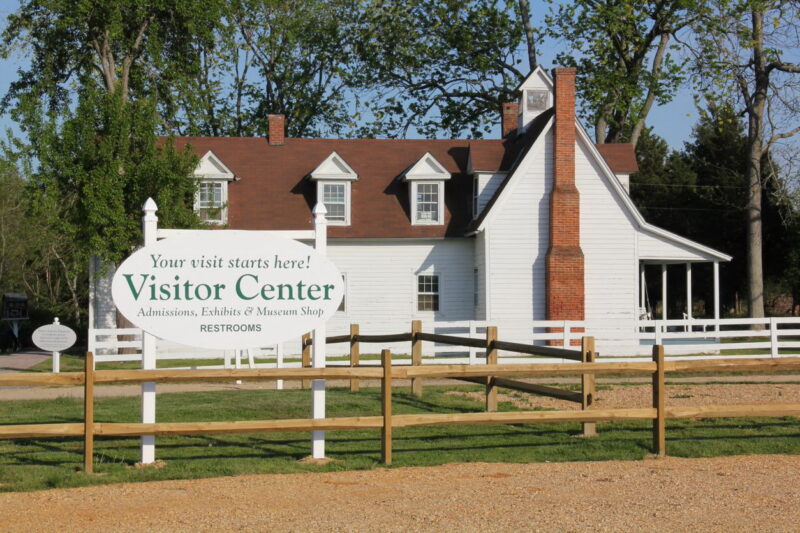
684 339
725 338
125 344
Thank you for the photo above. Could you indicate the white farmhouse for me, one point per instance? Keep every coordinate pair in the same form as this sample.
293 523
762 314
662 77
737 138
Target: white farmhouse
535 226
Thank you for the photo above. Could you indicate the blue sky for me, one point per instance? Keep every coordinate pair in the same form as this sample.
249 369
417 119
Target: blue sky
673 121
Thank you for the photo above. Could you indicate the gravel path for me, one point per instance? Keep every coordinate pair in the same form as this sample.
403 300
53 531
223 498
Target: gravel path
747 493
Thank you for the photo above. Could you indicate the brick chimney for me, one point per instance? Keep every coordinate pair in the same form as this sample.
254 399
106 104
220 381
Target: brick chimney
277 129
564 261
510 118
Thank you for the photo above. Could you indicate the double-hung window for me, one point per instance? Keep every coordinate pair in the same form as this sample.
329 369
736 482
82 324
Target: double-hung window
210 205
211 194
334 196
427 205
427 292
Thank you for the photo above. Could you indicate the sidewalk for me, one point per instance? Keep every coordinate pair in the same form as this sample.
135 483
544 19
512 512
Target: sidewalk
22 361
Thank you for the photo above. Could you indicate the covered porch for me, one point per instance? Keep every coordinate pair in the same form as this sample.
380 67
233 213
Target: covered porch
673 272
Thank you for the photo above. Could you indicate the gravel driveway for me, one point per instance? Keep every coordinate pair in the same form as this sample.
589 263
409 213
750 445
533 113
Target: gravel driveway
746 493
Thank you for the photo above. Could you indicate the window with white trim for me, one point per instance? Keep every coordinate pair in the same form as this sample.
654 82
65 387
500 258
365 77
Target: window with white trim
428 203
334 196
475 185
475 287
211 194
427 292
210 202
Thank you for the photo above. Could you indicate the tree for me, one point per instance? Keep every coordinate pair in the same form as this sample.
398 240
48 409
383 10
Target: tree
293 58
125 46
701 192
742 46
441 66
622 49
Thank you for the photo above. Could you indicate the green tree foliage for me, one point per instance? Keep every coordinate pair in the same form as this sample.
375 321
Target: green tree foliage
127 46
442 66
746 48
97 166
293 58
701 192
624 53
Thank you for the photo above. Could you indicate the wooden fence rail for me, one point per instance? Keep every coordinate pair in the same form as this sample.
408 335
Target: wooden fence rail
658 413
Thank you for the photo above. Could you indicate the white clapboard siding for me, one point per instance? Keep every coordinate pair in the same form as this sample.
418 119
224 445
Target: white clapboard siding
517 244
488 183
382 285
481 266
608 241
652 246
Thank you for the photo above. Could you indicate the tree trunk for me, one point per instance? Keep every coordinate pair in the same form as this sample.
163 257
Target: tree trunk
755 112
525 15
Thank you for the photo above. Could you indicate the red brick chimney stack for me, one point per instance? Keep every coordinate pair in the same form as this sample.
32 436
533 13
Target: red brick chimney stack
277 129
564 262
510 118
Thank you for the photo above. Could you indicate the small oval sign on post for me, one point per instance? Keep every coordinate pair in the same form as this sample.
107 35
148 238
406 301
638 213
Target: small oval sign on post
53 338
227 289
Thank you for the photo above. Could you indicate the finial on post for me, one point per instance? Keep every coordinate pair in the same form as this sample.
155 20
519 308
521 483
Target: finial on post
149 222
149 209
319 213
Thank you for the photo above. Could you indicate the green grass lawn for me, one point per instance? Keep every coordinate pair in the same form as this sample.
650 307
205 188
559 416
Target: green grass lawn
33 464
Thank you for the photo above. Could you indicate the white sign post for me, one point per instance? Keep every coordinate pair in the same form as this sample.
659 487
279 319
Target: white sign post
228 289
54 338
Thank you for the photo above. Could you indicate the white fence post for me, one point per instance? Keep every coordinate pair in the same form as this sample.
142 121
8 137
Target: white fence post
318 348
148 444
773 337
566 338
658 332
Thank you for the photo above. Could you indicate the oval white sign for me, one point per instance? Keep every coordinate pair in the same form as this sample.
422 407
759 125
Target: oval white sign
53 338
227 289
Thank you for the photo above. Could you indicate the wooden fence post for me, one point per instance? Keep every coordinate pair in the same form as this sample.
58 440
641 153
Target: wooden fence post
88 413
355 356
588 390
491 359
416 356
306 358
659 403
386 407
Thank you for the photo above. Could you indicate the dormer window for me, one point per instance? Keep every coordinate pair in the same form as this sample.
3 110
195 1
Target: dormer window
333 177
426 180
210 205
428 208
211 195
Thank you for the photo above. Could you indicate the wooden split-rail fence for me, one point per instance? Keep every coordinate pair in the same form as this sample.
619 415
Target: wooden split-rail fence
492 374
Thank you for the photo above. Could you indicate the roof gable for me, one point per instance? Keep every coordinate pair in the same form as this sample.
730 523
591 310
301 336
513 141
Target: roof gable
211 167
334 167
426 168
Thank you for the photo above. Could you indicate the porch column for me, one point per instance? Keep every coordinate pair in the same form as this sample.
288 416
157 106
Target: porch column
664 291
716 295
642 286
689 291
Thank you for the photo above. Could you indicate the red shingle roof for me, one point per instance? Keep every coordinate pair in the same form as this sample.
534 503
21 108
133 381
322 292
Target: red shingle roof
621 157
273 191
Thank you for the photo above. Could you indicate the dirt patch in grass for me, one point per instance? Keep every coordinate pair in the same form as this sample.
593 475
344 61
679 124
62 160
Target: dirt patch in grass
633 396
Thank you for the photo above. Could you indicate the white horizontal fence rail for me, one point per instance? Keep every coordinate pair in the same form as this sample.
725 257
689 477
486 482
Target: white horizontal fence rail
683 339
106 344
724 338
